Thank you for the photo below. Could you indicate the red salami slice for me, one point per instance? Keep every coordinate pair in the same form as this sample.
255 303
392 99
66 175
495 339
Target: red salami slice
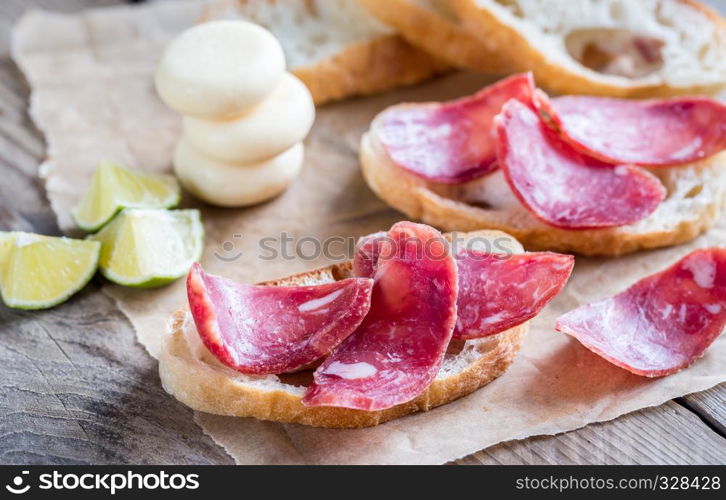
652 133
498 292
662 323
367 250
274 329
398 349
450 142
564 188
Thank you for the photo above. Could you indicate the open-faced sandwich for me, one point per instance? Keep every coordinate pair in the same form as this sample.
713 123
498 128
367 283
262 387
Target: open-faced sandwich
414 321
591 175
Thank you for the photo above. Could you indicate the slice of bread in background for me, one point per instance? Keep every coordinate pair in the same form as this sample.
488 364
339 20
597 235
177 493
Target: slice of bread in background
606 47
335 46
432 26
695 200
193 375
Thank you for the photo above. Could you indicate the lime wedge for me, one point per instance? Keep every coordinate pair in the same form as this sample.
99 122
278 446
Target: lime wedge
148 248
114 188
37 272
7 240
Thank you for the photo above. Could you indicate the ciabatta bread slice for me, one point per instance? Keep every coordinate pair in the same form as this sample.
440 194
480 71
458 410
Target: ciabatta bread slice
695 199
432 25
335 46
606 47
193 375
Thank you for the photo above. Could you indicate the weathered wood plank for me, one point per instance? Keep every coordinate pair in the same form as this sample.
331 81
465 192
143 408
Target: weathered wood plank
710 406
77 388
668 434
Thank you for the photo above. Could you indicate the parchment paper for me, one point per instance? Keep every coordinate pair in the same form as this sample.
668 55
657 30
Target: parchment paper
92 96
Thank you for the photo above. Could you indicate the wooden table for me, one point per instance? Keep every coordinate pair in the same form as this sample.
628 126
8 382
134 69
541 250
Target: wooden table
76 388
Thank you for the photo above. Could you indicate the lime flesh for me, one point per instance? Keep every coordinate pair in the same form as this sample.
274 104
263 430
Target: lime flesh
38 272
114 188
148 248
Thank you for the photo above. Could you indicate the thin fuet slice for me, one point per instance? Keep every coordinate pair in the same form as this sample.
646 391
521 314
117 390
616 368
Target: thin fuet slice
563 187
38 272
114 188
149 248
450 142
274 329
398 349
498 291
657 132
365 260
662 323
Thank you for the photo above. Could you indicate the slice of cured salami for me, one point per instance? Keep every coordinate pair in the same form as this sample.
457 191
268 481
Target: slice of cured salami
651 133
398 349
367 250
662 323
274 329
498 292
565 188
450 142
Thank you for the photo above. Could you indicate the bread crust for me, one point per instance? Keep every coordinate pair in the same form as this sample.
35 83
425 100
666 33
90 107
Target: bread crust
193 376
433 33
568 79
693 205
381 64
212 389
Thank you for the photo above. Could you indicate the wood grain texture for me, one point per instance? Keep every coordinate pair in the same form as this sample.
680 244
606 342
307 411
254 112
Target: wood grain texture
669 434
710 406
76 387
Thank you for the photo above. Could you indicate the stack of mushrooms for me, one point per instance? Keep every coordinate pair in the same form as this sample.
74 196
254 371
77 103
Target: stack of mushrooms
245 117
